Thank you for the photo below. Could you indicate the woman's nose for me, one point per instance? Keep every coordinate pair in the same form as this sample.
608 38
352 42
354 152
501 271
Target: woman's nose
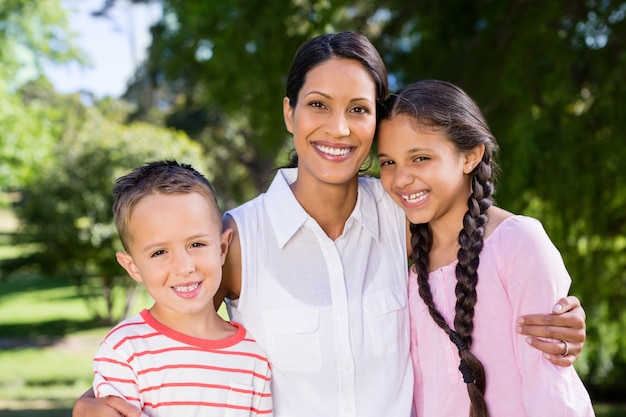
338 126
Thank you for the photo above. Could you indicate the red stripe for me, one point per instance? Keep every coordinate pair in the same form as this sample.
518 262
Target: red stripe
142 336
197 349
127 398
205 404
213 368
202 385
107 360
117 328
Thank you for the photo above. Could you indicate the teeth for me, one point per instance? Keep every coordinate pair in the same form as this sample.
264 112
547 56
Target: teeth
186 289
333 151
416 197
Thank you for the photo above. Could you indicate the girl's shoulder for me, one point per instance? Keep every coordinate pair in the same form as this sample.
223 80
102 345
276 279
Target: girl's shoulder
496 217
505 226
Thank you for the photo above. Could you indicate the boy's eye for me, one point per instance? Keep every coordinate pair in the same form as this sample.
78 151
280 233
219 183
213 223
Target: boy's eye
157 253
198 245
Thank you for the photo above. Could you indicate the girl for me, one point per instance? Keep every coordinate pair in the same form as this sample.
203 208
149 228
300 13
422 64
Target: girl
437 162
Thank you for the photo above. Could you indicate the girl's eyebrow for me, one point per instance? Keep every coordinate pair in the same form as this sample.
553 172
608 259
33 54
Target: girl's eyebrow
408 152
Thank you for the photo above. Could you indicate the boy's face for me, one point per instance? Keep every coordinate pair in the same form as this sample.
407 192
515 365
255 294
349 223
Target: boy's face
177 250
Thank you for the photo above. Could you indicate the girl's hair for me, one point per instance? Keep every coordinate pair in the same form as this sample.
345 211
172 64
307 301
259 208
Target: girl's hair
157 177
346 45
445 107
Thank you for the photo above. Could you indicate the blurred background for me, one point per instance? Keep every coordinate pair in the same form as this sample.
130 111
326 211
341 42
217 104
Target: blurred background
90 89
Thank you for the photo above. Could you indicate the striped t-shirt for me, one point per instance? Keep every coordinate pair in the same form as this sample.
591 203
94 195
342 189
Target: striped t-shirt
167 373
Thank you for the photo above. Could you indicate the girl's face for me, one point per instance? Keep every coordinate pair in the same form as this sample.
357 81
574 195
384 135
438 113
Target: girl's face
423 172
177 249
333 122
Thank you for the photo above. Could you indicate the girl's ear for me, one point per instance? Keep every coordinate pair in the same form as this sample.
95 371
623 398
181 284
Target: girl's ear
288 114
126 261
473 158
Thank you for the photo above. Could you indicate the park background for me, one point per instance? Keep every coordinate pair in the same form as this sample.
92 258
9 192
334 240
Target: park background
549 76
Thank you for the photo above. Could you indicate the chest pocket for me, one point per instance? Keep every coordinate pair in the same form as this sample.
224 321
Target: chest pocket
388 320
293 339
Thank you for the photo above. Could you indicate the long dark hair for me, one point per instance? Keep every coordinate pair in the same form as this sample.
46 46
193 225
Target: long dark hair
347 45
447 108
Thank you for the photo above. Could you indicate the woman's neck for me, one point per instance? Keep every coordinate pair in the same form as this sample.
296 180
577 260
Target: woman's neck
329 204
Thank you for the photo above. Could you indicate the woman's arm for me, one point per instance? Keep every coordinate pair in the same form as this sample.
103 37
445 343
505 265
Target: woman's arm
567 322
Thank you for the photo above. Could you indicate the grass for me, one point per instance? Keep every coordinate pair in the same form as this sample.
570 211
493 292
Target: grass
46 346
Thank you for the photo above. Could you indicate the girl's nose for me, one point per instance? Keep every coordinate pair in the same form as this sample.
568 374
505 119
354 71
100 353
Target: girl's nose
402 178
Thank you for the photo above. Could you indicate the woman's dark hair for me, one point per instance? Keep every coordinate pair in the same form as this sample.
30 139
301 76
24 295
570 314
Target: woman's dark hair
347 45
446 108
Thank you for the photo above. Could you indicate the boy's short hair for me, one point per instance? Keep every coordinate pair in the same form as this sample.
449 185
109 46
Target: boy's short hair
157 177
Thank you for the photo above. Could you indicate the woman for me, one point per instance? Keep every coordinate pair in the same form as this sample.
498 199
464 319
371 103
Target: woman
317 269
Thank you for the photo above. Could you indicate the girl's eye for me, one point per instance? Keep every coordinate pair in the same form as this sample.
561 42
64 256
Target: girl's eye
385 163
421 158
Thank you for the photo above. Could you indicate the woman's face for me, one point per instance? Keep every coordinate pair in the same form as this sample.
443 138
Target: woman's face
334 121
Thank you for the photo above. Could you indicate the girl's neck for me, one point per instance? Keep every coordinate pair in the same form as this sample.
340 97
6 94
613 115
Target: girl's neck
329 204
445 232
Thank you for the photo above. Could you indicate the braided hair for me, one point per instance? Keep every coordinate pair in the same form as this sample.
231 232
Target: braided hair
447 108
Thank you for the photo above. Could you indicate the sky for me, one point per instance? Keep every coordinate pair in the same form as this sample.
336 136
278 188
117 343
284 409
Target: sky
114 45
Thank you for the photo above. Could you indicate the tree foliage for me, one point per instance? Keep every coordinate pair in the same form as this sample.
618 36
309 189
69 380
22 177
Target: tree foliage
30 32
66 209
549 77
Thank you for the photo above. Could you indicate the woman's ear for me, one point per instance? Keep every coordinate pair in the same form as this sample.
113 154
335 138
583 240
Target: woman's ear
127 262
473 158
288 114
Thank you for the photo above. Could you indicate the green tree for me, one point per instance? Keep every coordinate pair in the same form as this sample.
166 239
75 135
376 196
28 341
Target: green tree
548 75
66 209
30 32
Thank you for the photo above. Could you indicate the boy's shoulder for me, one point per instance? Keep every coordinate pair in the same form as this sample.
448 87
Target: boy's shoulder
132 326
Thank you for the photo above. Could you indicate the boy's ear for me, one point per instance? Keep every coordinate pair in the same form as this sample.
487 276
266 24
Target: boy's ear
126 261
226 238
288 114
473 158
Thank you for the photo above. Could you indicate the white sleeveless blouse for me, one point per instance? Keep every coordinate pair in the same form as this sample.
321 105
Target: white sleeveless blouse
332 316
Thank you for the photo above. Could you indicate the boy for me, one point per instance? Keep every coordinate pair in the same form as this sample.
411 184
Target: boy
179 358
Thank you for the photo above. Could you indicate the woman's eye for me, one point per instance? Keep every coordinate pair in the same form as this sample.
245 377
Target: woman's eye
361 109
316 104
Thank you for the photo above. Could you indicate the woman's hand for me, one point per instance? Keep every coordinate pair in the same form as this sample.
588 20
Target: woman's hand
88 406
566 325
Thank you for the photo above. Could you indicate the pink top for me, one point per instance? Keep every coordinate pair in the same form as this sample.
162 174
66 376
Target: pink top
521 272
